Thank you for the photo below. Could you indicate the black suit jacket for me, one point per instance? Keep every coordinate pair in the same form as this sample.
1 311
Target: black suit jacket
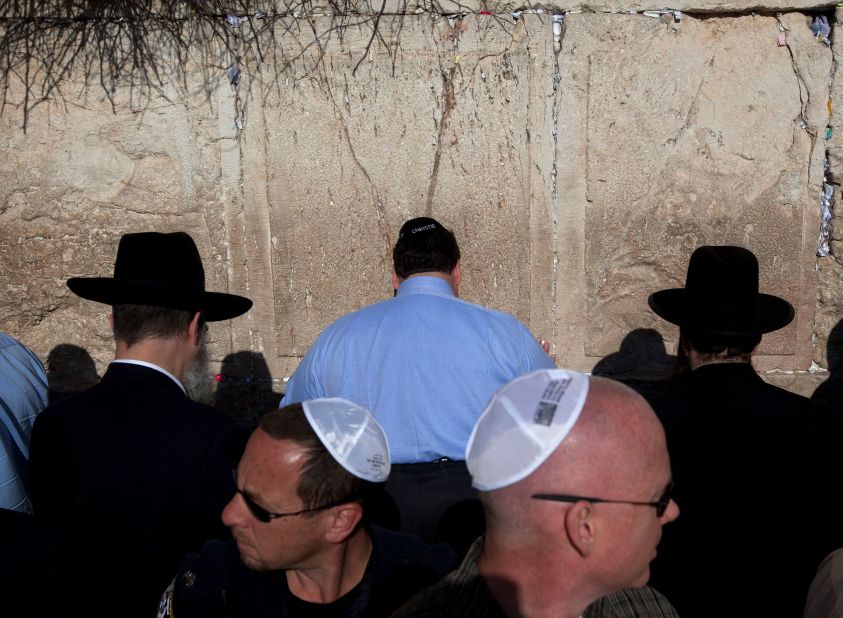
133 474
757 477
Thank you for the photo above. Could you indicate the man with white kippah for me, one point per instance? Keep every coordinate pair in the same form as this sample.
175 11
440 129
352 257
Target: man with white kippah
574 477
301 545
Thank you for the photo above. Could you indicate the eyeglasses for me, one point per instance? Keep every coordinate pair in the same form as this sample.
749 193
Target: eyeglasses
660 505
264 516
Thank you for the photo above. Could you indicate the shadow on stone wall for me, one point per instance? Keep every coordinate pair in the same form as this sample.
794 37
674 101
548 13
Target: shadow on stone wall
642 362
244 387
69 369
830 392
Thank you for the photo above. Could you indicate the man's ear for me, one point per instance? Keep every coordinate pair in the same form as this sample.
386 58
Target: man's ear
581 527
456 277
194 329
344 521
396 281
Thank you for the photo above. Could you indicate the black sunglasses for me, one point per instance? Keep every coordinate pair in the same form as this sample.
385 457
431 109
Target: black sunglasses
660 505
262 515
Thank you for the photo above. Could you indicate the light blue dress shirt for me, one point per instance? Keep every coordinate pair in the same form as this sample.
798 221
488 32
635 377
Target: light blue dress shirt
23 394
425 363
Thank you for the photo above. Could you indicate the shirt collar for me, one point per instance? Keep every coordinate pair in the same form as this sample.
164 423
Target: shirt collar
131 361
422 284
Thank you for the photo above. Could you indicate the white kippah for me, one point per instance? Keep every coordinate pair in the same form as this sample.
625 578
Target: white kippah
352 436
522 425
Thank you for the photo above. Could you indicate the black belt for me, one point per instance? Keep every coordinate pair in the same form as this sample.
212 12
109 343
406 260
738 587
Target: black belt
443 463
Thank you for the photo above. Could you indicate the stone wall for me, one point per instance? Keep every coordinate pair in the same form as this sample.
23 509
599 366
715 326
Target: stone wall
578 159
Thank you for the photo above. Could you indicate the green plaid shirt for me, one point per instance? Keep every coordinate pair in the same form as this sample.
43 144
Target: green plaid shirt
463 594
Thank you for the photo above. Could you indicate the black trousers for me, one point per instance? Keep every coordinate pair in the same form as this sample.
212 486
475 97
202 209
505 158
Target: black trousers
434 501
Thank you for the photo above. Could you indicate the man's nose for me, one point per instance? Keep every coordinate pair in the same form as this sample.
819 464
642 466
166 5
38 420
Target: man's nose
233 514
671 513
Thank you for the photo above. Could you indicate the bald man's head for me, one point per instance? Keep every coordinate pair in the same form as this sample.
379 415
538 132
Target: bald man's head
615 457
616 443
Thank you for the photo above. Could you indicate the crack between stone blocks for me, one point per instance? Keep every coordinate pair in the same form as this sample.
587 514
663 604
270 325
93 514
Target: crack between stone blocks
379 216
260 345
449 102
586 128
804 94
831 177
554 114
241 181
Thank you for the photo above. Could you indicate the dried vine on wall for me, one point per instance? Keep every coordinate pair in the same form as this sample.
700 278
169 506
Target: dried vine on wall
146 44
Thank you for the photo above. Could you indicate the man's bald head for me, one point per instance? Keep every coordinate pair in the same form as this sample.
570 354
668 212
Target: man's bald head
588 508
615 444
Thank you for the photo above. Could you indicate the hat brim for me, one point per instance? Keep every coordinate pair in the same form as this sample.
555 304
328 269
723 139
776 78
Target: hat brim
215 306
773 313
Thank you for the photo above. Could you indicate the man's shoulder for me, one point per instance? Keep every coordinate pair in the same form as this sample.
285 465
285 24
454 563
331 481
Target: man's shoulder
121 403
401 566
454 596
8 343
24 382
728 383
199 586
643 602
442 599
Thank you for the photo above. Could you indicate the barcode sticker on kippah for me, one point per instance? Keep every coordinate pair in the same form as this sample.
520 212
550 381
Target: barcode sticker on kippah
552 395
544 413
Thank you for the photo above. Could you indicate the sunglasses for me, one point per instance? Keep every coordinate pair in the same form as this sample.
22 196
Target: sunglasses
660 505
264 516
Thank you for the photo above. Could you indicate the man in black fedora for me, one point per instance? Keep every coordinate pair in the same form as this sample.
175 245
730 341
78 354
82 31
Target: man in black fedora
131 472
754 466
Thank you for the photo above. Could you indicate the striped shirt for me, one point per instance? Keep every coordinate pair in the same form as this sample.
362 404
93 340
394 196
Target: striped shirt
463 594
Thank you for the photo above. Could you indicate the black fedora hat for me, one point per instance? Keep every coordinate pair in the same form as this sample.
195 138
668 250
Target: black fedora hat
162 270
721 296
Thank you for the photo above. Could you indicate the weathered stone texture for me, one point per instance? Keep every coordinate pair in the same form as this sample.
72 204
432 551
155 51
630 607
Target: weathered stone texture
432 125
80 177
691 140
578 173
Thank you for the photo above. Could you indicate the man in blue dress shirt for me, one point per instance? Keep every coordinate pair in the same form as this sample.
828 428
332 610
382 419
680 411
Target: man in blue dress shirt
23 394
426 364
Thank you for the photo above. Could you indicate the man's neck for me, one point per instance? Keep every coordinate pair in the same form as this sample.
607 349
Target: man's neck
166 353
339 570
438 275
523 589
697 360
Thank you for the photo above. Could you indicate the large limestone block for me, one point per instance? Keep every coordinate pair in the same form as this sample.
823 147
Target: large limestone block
87 170
703 132
432 122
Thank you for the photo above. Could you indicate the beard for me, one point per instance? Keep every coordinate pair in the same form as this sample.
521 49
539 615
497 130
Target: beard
197 378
